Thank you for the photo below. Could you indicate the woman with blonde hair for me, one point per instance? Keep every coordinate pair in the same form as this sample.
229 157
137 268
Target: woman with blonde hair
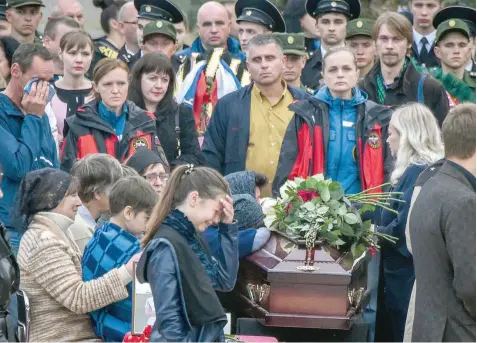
415 143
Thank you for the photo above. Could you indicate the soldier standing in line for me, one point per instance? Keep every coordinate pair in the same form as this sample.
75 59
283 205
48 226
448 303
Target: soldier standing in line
359 38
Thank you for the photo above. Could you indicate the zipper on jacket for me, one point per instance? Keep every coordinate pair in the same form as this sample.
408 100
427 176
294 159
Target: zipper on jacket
341 137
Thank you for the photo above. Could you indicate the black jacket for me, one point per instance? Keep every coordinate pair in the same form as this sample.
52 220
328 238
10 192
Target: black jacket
9 282
89 134
167 114
311 74
435 96
227 136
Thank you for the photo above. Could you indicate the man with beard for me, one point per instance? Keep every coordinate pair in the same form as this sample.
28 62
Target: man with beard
394 80
294 50
249 136
424 32
24 17
359 38
453 46
257 17
331 19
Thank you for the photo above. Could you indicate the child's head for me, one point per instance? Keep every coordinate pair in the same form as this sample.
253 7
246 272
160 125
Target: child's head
131 202
96 175
151 166
197 192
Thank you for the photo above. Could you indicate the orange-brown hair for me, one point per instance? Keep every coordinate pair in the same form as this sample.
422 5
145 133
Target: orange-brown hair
103 67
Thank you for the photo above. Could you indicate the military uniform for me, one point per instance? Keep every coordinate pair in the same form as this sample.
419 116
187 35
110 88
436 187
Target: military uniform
458 90
311 76
293 44
17 4
102 49
360 27
261 12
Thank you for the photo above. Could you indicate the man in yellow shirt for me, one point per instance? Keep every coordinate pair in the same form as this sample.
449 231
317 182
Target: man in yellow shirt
247 126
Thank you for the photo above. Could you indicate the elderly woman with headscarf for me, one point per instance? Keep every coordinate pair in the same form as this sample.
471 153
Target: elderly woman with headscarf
245 188
50 262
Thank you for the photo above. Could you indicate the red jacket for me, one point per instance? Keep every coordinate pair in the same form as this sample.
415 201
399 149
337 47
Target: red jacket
304 148
89 134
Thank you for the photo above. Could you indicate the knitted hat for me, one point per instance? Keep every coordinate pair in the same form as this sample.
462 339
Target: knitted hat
247 212
143 158
242 183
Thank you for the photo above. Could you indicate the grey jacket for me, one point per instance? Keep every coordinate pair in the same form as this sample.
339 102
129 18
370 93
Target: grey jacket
443 246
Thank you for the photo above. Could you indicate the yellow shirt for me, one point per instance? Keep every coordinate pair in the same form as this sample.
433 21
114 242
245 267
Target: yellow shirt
268 124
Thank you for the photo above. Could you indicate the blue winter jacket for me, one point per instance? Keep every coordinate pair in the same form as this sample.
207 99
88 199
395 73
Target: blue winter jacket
26 144
233 47
341 165
161 270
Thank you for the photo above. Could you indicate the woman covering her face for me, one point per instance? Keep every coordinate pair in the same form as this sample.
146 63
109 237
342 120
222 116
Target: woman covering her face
152 88
109 124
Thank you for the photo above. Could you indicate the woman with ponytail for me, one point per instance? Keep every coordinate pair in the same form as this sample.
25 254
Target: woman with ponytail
177 262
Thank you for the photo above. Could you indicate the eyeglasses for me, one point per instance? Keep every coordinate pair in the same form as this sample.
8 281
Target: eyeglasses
154 177
130 22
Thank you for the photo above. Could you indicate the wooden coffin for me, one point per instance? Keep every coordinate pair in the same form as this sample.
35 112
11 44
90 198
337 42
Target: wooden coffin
273 288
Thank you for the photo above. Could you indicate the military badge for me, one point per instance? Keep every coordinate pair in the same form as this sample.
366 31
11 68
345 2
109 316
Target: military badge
140 142
374 141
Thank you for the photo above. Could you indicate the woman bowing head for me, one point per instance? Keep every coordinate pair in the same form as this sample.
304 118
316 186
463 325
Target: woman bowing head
109 123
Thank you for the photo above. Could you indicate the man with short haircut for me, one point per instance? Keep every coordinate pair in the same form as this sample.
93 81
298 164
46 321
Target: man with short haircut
128 26
24 17
359 38
182 31
257 17
69 8
423 31
96 174
213 66
331 19
160 36
5 29
394 80
26 141
294 49
230 7
249 136
443 244
453 47
55 29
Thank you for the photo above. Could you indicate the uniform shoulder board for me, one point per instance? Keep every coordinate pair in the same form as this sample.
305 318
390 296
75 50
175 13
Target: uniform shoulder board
309 90
181 58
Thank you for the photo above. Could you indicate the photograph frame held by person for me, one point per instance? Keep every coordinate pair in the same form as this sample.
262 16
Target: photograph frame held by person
110 123
175 124
194 198
50 262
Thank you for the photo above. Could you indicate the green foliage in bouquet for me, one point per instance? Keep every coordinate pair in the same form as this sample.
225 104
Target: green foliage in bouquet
317 209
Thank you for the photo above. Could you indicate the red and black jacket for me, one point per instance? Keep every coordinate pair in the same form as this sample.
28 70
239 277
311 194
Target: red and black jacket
305 144
89 134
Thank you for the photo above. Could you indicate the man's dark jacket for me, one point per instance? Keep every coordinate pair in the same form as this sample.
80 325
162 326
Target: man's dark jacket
442 230
435 96
311 74
374 163
227 136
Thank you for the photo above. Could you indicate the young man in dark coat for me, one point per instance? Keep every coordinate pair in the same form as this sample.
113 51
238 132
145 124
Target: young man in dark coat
395 80
443 244
247 126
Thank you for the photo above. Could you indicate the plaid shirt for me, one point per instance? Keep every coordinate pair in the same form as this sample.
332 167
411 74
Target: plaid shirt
109 248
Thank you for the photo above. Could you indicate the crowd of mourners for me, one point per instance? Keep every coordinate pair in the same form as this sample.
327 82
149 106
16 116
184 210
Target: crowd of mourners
138 155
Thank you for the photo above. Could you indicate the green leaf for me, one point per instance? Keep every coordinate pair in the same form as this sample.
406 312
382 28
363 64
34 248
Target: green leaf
339 242
308 206
318 177
336 191
353 249
366 208
322 210
342 210
324 191
333 204
351 218
347 230
311 183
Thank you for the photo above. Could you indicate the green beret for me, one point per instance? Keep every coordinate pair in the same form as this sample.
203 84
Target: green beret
162 27
293 43
360 27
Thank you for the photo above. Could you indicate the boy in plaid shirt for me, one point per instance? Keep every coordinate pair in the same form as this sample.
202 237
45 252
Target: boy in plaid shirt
131 201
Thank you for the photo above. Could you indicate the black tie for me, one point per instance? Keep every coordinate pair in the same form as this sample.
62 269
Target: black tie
423 56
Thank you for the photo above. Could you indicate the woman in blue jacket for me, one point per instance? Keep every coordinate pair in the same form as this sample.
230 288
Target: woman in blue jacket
415 143
177 262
